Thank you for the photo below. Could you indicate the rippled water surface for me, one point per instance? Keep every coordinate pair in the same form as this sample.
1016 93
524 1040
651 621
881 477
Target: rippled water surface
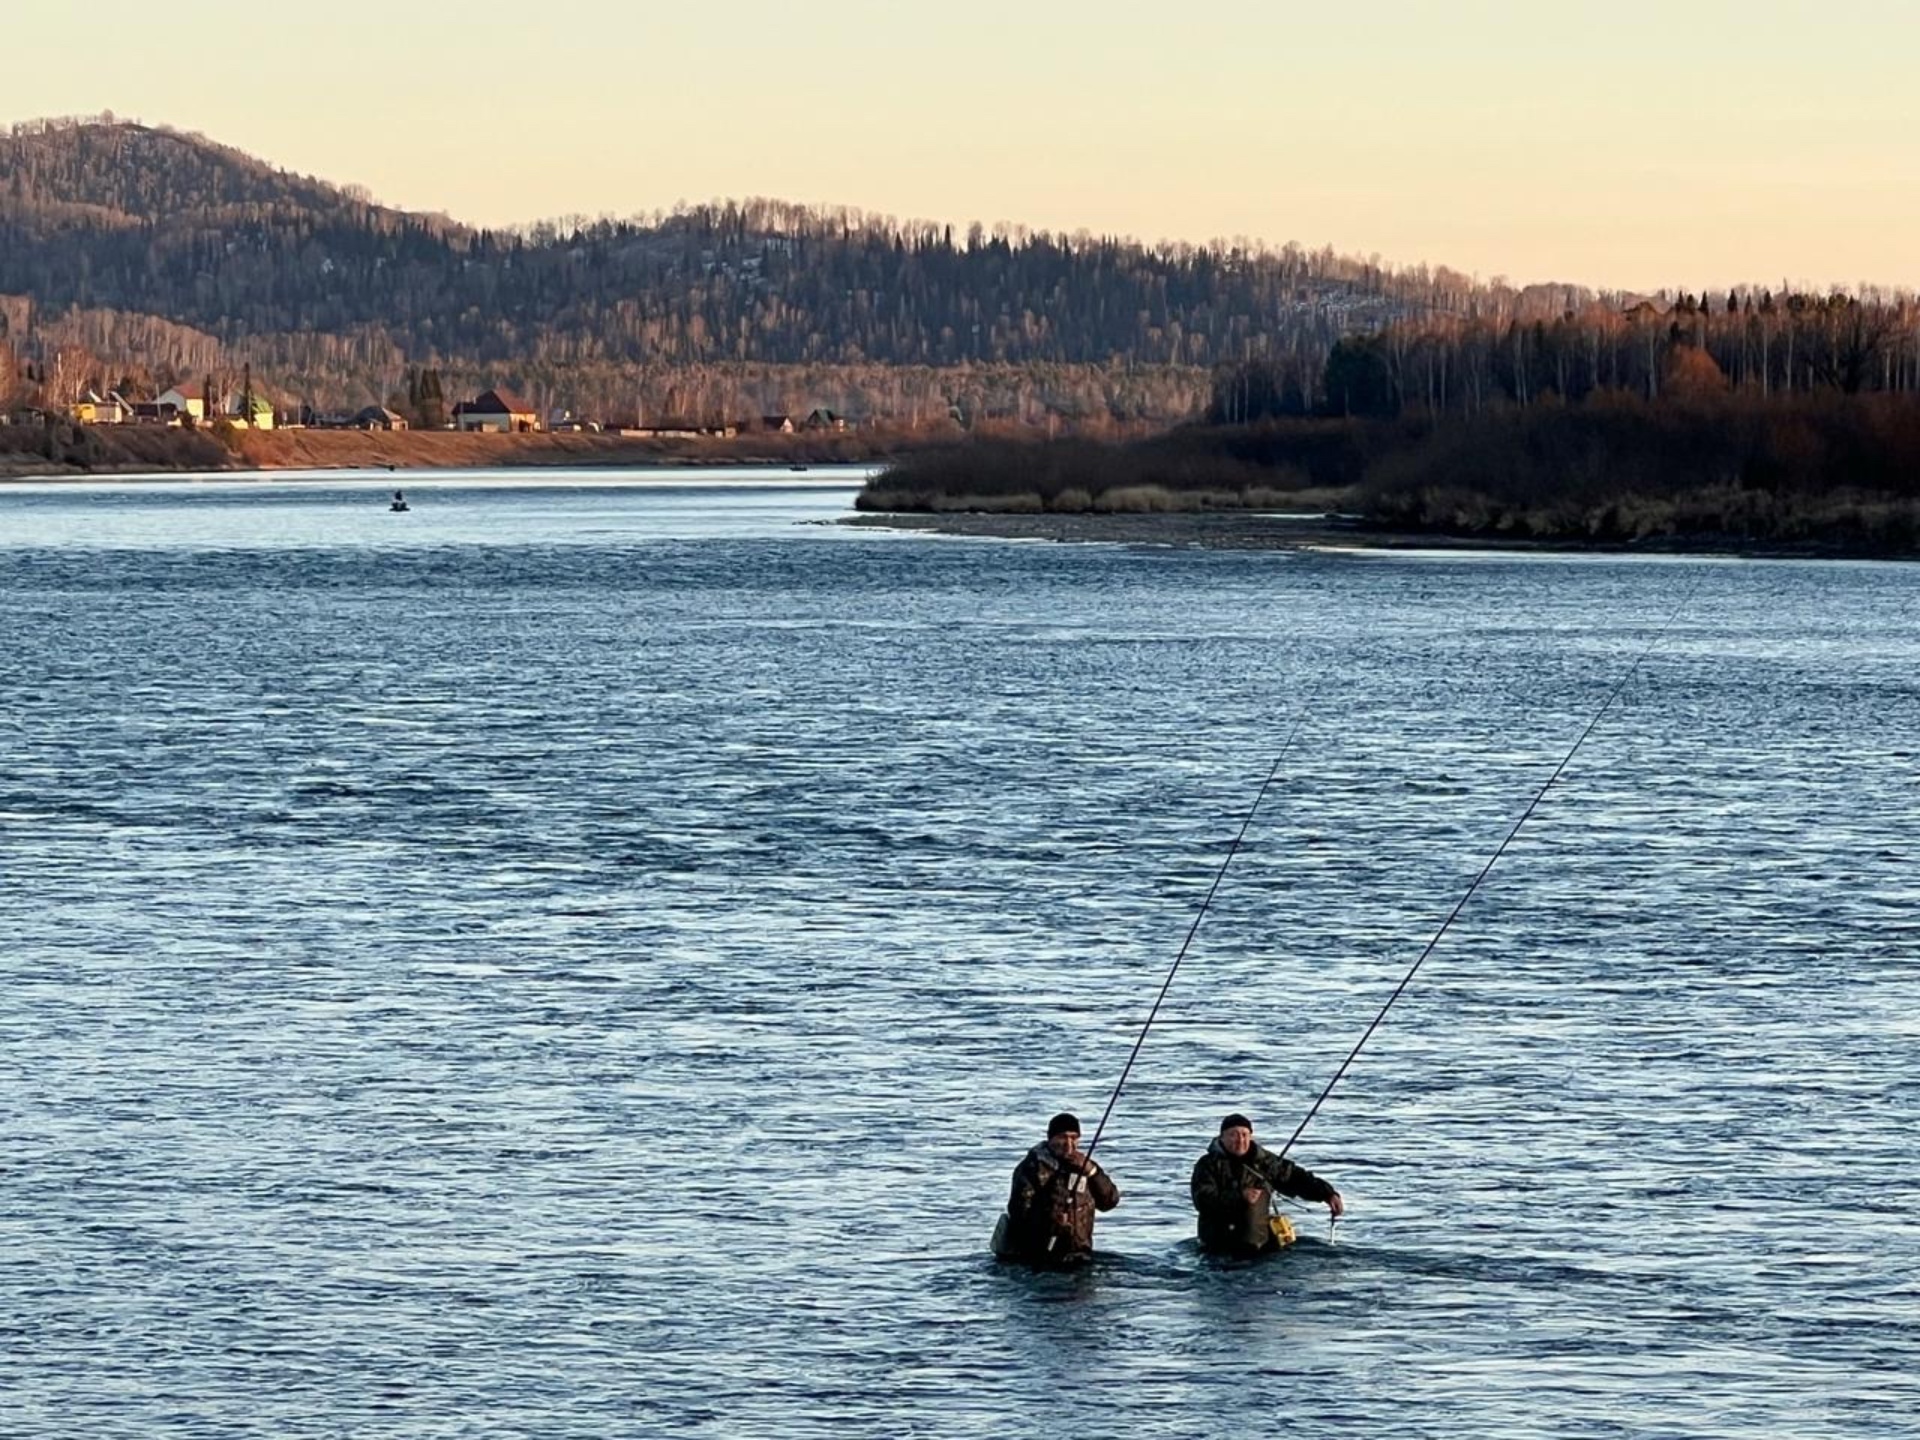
583 959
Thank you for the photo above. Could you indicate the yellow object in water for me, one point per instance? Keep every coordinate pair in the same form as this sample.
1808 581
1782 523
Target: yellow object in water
1282 1228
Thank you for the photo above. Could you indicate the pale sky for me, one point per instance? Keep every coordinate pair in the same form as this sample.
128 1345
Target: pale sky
1639 144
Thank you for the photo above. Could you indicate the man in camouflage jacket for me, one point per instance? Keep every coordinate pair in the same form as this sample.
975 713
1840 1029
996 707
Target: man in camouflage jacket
1056 1191
1232 1186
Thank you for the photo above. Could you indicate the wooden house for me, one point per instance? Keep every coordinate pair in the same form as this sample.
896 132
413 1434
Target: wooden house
496 409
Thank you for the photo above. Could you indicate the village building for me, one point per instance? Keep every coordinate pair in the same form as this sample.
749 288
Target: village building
92 409
244 409
378 417
248 412
562 421
186 401
496 409
680 430
825 419
777 424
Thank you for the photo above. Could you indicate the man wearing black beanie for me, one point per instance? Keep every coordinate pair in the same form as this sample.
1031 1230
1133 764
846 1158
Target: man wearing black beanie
1056 1190
1233 1184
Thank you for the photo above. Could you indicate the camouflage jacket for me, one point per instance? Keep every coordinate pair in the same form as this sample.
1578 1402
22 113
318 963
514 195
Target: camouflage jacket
1229 1221
1051 1203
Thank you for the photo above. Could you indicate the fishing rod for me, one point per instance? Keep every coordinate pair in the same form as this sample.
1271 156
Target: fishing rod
1300 719
1077 1180
1500 850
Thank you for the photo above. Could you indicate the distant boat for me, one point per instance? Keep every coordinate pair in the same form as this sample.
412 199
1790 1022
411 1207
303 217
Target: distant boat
796 467
399 502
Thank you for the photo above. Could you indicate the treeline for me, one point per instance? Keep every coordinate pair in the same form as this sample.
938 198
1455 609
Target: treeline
141 355
316 286
1750 342
122 217
135 258
1826 471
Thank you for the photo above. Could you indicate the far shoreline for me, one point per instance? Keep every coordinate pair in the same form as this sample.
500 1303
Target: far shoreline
1270 531
195 453
842 472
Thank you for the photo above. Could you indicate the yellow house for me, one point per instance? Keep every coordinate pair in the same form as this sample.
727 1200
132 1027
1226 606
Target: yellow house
90 409
250 414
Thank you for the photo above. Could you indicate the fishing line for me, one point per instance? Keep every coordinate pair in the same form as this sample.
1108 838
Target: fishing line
1300 718
1540 795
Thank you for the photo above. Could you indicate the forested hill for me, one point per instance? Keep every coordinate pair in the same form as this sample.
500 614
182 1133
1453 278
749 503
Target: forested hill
170 245
105 176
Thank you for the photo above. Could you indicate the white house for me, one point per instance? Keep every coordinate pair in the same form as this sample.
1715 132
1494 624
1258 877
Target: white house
496 410
185 400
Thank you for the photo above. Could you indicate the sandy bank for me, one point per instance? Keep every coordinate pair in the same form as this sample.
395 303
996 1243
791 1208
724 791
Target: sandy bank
115 450
1254 530
1207 529
446 450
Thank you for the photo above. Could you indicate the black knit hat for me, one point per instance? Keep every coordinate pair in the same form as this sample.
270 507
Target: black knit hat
1063 1124
1233 1120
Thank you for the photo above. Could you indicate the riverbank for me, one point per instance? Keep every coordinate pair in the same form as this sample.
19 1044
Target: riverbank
474 450
91 452
66 451
1203 529
1257 530
1829 475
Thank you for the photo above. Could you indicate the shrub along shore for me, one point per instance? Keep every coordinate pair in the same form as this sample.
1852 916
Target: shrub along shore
1826 473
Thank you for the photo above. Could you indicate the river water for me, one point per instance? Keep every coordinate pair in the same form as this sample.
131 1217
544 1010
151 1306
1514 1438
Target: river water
582 958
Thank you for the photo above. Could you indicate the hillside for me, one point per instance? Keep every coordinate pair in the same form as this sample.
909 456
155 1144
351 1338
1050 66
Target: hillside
111 174
153 254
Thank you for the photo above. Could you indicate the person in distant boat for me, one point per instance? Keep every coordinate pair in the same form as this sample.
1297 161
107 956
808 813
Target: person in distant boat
1056 1191
1232 1185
